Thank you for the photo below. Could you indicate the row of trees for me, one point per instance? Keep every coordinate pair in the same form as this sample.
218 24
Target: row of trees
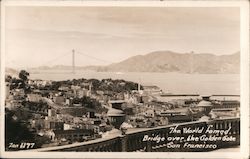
87 102
90 103
36 106
116 86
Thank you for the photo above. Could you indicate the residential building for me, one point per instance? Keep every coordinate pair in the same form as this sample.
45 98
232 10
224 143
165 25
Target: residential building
116 104
73 135
34 97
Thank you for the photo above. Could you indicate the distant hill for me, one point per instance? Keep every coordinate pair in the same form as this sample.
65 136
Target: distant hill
56 67
167 61
11 72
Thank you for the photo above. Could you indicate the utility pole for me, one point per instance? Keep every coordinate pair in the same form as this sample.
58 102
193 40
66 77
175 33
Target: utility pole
73 61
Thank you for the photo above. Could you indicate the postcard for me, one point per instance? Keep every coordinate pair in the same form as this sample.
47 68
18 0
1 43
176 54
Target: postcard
125 79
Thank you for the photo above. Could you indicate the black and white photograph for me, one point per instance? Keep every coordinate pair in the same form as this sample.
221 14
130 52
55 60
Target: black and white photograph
124 77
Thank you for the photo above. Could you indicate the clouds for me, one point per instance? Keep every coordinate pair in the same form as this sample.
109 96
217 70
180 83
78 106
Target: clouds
116 33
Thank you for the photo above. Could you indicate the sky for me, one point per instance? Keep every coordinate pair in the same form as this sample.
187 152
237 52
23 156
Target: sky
46 36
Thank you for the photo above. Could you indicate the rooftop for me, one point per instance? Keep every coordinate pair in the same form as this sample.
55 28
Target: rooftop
72 131
116 101
115 112
204 103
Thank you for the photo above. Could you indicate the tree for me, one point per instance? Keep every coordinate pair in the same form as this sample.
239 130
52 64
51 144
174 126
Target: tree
23 75
95 83
16 131
8 78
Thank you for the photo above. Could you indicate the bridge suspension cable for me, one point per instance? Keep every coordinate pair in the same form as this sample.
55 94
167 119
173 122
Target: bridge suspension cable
92 57
55 59
73 57
72 52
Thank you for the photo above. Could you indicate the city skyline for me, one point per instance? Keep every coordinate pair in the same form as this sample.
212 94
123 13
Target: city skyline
112 34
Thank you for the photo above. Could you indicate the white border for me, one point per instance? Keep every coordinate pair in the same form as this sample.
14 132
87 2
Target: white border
244 80
244 31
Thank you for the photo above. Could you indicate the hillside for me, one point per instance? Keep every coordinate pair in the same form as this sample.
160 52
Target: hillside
167 61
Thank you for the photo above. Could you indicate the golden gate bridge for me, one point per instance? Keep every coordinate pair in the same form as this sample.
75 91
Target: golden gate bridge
73 54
